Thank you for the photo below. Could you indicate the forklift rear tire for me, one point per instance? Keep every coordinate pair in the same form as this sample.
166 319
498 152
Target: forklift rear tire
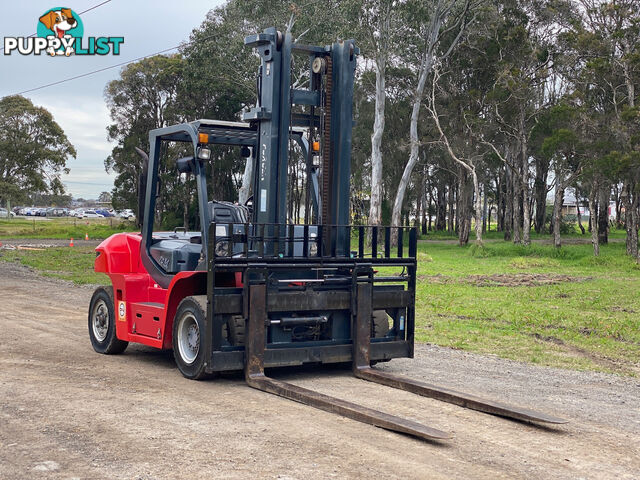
188 331
236 326
379 328
379 324
102 323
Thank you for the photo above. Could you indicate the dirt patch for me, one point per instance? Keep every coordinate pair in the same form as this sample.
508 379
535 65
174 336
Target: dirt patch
580 352
506 279
622 309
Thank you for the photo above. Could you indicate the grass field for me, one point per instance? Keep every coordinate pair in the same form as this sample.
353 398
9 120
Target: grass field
63 227
73 264
562 307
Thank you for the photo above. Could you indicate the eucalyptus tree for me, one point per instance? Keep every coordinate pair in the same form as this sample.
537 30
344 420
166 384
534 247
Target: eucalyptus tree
34 150
605 48
435 28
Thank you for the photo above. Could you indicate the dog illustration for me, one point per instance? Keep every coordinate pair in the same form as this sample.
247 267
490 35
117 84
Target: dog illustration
59 22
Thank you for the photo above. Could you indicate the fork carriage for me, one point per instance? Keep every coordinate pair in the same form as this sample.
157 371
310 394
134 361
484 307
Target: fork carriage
310 294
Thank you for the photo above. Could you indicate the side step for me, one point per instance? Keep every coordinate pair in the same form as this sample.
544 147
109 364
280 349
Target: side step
255 377
362 369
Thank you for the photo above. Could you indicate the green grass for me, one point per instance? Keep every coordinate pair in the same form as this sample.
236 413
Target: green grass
587 317
64 227
562 308
73 264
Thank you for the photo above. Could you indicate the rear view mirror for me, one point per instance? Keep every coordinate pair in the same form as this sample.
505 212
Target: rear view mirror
185 165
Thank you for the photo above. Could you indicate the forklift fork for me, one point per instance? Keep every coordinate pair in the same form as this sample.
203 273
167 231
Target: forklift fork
362 369
255 377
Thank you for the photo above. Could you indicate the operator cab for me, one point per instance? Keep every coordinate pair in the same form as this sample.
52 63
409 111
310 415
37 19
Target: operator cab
181 251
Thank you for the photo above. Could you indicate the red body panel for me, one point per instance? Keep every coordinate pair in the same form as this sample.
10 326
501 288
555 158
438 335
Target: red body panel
148 308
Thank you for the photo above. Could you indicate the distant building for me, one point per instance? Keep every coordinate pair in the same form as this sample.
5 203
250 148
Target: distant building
570 206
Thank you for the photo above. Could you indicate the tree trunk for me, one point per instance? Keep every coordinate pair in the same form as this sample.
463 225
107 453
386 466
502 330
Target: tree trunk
557 212
414 141
517 206
630 202
579 216
616 194
593 218
540 194
603 214
441 208
478 208
484 209
464 209
375 209
508 209
431 40
524 178
452 212
425 210
499 203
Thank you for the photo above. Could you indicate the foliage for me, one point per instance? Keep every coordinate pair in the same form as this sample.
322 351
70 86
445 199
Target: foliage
34 150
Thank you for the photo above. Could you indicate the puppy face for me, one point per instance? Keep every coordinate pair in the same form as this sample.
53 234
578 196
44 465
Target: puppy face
59 21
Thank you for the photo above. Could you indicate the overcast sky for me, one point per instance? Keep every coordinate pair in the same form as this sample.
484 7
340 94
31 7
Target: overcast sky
79 106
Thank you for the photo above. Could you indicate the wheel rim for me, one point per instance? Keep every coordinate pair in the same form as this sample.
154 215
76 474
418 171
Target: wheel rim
100 320
188 338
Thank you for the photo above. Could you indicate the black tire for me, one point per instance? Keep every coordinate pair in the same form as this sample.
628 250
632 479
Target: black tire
102 323
188 331
379 324
236 328
379 328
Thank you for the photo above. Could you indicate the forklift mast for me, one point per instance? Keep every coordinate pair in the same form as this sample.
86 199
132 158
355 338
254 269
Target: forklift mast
328 119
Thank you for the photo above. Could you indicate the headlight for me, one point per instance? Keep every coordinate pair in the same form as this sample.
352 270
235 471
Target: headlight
222 249
204 154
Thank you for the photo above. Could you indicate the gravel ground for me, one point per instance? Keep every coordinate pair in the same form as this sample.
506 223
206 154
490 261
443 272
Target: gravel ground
67 412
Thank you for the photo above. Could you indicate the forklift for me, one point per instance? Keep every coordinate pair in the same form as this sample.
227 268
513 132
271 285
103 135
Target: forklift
254 289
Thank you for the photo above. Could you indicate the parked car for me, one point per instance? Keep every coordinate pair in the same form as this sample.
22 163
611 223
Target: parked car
91 214
55 212
104 213
76 213
5 214
127 214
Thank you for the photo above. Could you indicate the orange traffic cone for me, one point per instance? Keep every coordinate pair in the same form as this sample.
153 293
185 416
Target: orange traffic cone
86 236
71 243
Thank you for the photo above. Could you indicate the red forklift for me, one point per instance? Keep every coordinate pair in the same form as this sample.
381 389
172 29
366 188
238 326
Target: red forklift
254 289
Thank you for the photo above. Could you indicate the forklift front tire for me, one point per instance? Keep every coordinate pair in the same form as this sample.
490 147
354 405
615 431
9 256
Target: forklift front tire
188 331
102 323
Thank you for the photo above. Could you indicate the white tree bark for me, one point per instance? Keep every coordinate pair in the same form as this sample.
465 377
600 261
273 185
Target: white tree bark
558 199
432 39
381 57
375 209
